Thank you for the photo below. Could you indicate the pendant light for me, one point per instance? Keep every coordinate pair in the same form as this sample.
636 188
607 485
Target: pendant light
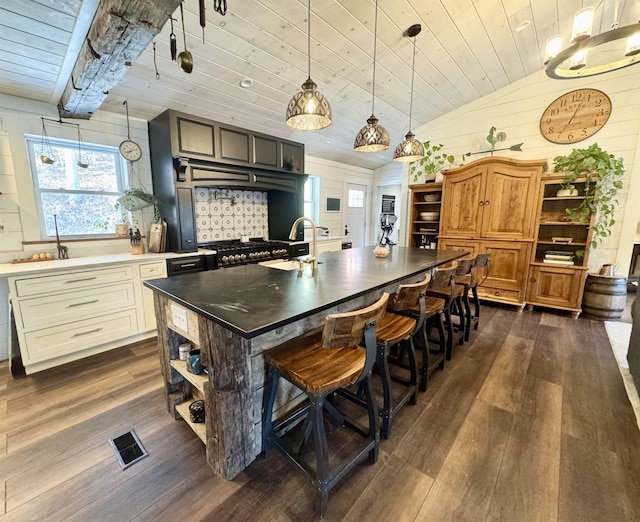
372 137
46 152
308 110
410 149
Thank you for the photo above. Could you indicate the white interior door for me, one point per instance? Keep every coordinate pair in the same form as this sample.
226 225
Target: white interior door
355 215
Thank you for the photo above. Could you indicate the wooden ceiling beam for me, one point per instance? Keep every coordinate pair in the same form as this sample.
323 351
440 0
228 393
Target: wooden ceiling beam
121 30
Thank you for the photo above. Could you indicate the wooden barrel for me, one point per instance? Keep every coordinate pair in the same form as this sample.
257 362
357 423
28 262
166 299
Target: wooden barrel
604 297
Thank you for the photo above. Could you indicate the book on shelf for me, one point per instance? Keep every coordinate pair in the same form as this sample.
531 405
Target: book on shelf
559 258
560 253
558 261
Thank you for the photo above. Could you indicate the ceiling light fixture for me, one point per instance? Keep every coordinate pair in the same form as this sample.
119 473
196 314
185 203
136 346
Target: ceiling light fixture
410 149
308 110
372 137
589 55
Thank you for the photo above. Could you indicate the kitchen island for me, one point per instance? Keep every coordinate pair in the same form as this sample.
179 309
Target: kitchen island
233 315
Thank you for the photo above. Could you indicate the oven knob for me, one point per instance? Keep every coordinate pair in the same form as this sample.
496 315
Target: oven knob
252 255
237 258
243 256
225 259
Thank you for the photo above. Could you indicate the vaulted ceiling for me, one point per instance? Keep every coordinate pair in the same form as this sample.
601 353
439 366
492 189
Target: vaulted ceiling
466 50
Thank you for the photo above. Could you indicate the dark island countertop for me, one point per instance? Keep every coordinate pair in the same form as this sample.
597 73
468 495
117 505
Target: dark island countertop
253 299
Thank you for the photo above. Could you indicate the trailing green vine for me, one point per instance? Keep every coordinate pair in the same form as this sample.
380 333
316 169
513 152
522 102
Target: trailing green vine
433 162
603 174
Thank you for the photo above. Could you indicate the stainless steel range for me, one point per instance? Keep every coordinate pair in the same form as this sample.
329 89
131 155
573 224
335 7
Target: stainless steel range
236 252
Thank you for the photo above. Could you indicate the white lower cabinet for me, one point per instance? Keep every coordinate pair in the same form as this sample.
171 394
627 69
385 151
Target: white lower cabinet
329 245
67 314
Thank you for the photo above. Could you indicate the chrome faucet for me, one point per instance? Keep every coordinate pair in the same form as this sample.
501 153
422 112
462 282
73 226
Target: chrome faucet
314 252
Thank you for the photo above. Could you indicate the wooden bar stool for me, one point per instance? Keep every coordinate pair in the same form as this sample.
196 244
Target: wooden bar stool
320 363
395 330
443 287
462 307
478 275
434 314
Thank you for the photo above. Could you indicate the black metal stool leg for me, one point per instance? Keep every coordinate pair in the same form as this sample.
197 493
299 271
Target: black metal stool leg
270 392
383 368
322 454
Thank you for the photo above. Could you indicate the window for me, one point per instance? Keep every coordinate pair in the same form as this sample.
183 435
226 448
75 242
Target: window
82 199
355 198
311 198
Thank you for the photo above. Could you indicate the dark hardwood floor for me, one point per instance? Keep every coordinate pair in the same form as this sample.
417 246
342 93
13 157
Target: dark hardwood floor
529 421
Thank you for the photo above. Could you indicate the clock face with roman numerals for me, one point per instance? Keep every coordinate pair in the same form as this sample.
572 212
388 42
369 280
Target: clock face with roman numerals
575 116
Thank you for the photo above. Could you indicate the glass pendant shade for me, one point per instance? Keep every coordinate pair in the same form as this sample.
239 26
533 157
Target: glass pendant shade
554 46
582 24
372 137
579 60
633 45
409 150
308 110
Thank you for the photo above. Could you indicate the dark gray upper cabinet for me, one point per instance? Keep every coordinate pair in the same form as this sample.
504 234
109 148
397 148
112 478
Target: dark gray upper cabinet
205 140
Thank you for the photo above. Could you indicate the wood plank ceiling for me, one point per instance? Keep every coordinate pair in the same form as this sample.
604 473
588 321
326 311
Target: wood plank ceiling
467 49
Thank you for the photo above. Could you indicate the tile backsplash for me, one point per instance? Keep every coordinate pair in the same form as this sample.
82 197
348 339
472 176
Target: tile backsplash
229 214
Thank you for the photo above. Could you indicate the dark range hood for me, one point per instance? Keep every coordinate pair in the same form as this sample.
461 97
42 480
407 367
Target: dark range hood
189 152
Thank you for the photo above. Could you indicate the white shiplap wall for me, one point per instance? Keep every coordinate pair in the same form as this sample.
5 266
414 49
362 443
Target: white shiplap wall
333 181
516 109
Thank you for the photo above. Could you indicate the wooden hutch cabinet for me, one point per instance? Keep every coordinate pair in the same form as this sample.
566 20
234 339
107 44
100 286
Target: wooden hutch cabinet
558 268
490 205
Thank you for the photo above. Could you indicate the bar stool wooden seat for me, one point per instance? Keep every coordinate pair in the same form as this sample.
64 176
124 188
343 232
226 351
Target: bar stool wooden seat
479 272
395 330
320 363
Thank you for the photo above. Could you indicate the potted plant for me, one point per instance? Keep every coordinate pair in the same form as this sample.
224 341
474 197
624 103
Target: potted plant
433 162
603 174
133 199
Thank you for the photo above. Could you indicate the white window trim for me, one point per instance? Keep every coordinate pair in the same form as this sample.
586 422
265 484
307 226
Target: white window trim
121 179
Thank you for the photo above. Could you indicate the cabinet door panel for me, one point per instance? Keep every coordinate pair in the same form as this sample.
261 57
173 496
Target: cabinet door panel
234 145
463 195
557 287
508 207
509 263
265 151
195 138
187 232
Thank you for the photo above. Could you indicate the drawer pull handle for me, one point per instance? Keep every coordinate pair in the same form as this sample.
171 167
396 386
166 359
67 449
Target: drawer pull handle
79 334
187 265
82 304
80 280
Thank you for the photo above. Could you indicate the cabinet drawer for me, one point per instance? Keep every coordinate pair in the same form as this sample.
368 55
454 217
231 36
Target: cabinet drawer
152 270
500 293
39 285
56 309
79 335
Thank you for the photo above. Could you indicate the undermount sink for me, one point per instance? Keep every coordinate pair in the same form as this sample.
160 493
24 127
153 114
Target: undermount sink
280 264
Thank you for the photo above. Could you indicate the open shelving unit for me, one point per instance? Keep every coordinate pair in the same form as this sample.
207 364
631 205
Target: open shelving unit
559 263
425 197
196 392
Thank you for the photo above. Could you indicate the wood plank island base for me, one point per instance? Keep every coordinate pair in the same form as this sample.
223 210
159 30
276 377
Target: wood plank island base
234 315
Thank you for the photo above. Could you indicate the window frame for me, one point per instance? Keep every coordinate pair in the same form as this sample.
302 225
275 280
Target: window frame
121 174
315 199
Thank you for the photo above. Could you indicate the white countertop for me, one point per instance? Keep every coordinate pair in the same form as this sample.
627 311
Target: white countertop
12 269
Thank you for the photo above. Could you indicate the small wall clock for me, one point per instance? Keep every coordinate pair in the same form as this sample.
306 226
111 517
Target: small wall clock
575 116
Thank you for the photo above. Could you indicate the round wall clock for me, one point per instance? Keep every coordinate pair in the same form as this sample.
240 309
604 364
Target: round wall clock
130 150
575 116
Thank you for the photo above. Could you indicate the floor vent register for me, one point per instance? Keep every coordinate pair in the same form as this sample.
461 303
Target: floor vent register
128 449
